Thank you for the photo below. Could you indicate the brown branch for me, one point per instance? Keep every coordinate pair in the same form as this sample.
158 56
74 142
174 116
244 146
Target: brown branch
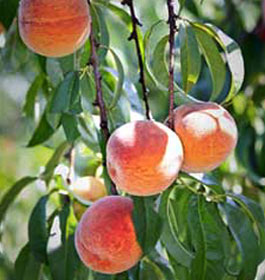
99 99
134 36
172 28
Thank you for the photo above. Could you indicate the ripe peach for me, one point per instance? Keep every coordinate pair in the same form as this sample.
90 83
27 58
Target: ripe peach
142 158
105 238
89 189
54 28
208 134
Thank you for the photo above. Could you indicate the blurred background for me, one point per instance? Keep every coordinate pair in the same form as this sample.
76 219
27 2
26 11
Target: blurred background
244 172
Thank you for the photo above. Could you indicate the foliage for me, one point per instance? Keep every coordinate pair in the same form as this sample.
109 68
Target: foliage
198 228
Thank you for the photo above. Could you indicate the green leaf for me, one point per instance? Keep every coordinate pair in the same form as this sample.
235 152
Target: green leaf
26 266
150 270
69 123
173 210
42 133
255 213
88 132
235 62
11 195
62 256
247 242
15 54
181 5
54 161
159 63
210 239
147 223
214 61
119 85
8 11
119 12
29 107
37 230
66 98
190 58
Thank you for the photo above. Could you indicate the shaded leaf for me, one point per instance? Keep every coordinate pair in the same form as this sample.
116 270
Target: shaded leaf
42 133
147 223
210 239
69 123
234 60
66 98
247 242
37 230
8 11
169 206
190 58
214 61
26 266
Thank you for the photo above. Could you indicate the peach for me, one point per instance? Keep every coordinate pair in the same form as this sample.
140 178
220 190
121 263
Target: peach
54 28
208 134
105 238
142 158
89 189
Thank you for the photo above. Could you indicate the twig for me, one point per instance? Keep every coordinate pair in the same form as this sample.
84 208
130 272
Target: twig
71 158
134 36
99 99
172 28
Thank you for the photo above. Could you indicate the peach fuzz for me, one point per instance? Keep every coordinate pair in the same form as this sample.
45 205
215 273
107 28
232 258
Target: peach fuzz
105 238
208 134
144 157
89 189
54 28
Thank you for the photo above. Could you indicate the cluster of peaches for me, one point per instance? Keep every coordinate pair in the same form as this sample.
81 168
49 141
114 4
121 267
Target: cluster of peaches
143 157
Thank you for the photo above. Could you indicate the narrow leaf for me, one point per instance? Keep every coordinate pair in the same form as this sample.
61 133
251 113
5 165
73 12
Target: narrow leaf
28 108
171 234
235 62
11 195
67 95
147 223
247 242
214 61
70 123
42 133
26 266
37 230
190 58
54 161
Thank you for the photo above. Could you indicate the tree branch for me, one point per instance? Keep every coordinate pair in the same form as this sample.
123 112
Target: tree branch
134 36
172 28
99 99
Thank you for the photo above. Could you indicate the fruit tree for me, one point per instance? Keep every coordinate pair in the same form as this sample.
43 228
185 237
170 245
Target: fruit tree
136 130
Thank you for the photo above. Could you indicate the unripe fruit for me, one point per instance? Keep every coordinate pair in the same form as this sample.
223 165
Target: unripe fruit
144 157
105 238
208 134
89 189
54 28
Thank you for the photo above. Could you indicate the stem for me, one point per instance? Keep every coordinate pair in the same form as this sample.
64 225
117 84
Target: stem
71 158
172 28
134 36
99 99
